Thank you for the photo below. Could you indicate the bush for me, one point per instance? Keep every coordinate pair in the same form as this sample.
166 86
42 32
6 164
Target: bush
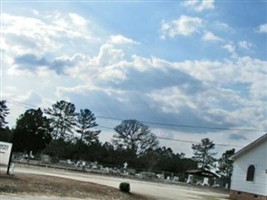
125 187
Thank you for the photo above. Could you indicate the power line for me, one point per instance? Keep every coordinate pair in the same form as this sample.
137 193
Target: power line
161 124
20 104
191 142
180 140
182 125
116 119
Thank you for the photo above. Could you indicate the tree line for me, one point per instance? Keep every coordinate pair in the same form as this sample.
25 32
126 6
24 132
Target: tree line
63 133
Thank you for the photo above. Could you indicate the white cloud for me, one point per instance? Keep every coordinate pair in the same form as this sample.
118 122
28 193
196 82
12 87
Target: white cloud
254 72
215 103
230 91
222 26
190 2
109 55
245 44
20 32
171 99
78 90
108 65
224 96
44 33
211 103
78 20
185 26
209 36
200 5
112 74
231 48
35 12
262 28
120 39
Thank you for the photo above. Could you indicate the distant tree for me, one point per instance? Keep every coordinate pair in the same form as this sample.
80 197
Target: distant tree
167 156
3 113
226 165
108 154
134 136
60 149
202 153
85 122
151 160
6 134
32 132
164 160
63 119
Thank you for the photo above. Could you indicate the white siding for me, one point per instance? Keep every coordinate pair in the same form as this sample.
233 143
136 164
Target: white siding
258 158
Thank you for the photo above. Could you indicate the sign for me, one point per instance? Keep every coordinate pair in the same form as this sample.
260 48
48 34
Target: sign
5 151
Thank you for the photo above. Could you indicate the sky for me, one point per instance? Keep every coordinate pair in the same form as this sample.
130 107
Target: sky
188 69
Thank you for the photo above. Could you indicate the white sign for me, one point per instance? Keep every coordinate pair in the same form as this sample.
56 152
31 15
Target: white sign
5 151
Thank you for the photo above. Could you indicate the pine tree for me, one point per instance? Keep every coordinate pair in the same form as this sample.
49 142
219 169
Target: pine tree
4 111
203 155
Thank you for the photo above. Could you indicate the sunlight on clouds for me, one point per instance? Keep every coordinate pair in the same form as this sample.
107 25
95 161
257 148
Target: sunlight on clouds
112 74
20 32
143 64
78 20
254 72
171 99
205 5
200 5
209 36
140 63
109 55
120 39
72 26
185 26
79 89
197 69
44 33
107 65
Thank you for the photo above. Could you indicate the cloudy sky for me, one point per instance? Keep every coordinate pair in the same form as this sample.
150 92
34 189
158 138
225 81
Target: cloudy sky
194 69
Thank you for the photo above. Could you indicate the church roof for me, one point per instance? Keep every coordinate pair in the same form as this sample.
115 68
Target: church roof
250 147
202 172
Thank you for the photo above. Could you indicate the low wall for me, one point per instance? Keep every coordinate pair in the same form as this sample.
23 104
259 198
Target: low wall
238 195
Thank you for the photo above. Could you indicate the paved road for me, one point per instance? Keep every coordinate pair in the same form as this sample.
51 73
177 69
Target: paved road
158 190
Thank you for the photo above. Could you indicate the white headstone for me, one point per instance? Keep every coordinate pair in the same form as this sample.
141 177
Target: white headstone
125 165
205 181
190 178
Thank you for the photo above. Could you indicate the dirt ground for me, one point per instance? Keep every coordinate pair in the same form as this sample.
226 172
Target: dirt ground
48 186
73 191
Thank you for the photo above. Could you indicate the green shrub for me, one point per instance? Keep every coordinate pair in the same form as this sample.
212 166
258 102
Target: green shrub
125 187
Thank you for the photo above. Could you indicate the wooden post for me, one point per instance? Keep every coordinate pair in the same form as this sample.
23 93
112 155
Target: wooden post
9 162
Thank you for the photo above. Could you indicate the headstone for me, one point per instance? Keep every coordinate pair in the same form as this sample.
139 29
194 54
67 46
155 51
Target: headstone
205 181
190 178
12 169
125 165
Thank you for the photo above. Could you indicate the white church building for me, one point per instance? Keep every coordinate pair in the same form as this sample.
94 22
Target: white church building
249 178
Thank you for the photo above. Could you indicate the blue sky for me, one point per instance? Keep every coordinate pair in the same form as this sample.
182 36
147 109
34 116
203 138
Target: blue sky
197 63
